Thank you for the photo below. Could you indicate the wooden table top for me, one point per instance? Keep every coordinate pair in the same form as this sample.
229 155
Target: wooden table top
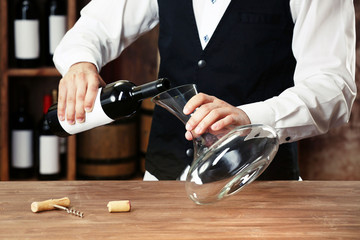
161 210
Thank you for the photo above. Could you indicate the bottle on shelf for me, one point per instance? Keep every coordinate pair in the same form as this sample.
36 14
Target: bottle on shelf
48 148
56 22
62 144
117 100
63 156
22 139
27 34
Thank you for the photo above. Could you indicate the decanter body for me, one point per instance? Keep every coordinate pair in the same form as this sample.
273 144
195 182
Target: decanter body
224 161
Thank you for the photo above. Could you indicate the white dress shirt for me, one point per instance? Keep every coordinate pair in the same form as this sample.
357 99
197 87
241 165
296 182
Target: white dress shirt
323 46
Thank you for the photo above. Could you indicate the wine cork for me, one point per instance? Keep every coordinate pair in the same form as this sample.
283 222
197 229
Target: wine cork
49 204
119 206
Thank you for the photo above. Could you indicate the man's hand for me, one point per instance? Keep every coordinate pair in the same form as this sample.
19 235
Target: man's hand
211 114
77 92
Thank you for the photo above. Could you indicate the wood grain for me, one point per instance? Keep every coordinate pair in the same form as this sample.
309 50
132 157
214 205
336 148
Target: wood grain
161 210
29 72
4 83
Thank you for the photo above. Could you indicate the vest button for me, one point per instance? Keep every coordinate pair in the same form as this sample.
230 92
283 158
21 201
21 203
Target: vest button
201 63
190 152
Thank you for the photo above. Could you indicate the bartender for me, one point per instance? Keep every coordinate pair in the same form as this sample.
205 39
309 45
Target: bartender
289 64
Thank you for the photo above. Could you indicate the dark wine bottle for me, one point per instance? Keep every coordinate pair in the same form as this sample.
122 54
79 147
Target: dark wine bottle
27 34
62 144
48 148
22 139
56 22
117 100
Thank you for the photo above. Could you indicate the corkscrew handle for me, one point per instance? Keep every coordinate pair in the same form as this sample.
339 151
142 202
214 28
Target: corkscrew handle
49 204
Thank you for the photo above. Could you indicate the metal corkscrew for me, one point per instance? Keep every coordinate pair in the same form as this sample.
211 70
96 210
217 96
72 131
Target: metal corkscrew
70 211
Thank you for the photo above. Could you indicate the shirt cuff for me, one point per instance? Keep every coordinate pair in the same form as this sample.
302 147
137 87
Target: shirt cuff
262 113
259 113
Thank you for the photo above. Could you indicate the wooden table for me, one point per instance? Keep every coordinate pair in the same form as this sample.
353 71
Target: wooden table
161 210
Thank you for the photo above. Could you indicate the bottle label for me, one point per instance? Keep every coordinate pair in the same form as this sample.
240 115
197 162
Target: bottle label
27 39
92 119
49 156
57 29
22 148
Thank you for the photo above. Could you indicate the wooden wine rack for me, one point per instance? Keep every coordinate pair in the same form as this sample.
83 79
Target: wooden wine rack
138 63
7 73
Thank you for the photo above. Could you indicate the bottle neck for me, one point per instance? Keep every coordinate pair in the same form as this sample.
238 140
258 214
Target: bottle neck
27 10
57 7
150 89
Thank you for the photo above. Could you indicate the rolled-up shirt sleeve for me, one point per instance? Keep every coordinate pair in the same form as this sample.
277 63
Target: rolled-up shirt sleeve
324 79
99 35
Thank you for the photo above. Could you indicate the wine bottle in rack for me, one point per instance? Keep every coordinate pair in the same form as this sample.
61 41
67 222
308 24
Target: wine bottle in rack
48 148
117 100
62 144
27 34
56 17
22 139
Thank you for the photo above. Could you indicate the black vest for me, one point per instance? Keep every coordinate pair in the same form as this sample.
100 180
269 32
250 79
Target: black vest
248 59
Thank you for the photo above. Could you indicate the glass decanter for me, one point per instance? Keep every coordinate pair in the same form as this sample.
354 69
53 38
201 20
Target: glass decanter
224 161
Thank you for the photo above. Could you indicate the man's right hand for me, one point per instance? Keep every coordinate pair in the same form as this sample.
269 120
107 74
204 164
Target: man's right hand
77 92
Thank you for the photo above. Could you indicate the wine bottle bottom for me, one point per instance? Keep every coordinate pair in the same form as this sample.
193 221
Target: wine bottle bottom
49 177
63 165
27 63
21 173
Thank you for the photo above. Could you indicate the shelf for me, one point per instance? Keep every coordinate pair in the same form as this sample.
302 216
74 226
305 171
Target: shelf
7 73
30 72
144 68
